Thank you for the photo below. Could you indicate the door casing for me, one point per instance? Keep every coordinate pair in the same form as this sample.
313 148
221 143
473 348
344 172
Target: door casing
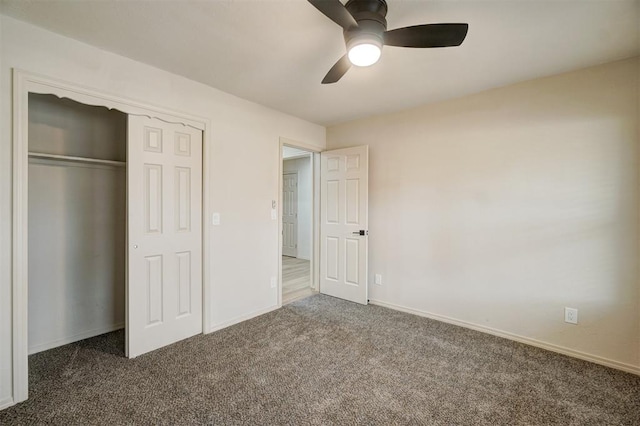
315 211
23 84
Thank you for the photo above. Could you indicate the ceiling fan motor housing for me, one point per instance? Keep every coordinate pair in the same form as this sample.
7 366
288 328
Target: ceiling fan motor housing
370 16
364 26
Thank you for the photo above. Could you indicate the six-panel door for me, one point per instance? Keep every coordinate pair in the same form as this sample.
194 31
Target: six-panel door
164 195
344 223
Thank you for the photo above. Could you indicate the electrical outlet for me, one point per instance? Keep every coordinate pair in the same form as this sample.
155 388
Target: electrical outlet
274 282
378 279
571 315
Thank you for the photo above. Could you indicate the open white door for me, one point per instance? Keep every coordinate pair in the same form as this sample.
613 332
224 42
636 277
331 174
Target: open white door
290 214
344 223
164 197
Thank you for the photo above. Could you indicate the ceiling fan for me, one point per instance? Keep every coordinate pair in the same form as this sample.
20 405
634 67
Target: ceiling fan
365 32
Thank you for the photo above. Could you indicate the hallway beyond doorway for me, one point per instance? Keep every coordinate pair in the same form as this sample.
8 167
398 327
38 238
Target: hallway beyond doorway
296 282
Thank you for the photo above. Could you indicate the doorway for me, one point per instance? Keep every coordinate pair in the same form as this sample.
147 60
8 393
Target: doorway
339 223
297 236
77 222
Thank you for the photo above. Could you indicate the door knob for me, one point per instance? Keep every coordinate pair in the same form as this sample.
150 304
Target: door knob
361 232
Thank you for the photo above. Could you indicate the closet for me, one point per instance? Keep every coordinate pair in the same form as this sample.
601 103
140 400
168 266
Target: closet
76 221
107 223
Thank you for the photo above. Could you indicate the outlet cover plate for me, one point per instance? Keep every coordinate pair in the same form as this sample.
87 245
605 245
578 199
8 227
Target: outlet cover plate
571 315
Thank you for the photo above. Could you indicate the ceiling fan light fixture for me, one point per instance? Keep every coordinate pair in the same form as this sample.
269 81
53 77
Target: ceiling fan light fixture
365 52
364 25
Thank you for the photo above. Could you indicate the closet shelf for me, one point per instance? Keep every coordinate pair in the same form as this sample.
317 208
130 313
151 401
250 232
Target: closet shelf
76 159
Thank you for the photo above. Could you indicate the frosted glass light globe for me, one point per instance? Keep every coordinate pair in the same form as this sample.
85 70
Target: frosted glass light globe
364 54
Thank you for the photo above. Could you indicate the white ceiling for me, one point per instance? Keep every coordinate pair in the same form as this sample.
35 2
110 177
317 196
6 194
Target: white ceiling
276 52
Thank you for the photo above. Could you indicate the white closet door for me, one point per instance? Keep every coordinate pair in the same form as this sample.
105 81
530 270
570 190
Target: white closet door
344 196
164 196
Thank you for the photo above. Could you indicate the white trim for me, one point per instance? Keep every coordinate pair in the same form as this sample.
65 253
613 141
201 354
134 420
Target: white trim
19 256
297 144
50 86
315 224
314 264
207 152
71 339
23 84
6 403
243 318
515 337
295 157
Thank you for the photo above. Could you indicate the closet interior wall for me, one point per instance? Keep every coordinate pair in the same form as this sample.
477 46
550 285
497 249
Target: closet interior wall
77 221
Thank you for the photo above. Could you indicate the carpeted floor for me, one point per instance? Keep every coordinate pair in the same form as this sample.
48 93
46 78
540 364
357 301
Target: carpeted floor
324 361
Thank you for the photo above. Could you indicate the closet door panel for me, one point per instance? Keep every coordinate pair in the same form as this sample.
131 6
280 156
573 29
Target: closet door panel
183 199
153 198
184 283
164 304
153 286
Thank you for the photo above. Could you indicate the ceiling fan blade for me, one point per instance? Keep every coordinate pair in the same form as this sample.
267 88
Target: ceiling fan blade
428 35
337 71
335 11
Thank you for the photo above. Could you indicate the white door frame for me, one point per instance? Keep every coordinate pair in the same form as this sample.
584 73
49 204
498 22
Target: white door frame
23 84
315 212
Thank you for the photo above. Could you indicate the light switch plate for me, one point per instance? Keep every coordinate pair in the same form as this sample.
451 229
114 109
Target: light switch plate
274 214
215 219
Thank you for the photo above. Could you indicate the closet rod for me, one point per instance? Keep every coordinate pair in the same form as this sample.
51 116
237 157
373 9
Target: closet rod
76 159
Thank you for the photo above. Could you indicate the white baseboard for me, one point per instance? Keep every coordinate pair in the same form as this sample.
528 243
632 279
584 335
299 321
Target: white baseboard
76 337
511 336
6 403
241 318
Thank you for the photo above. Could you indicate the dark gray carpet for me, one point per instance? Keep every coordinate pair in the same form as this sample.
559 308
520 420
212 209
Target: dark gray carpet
325 361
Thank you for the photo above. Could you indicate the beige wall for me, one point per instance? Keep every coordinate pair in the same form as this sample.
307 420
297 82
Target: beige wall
244 165
500 209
